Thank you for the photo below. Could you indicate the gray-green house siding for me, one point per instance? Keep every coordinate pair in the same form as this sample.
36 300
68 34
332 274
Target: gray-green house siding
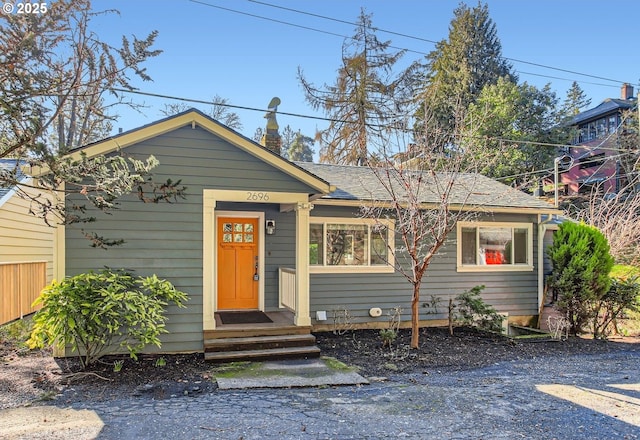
515 293
166 238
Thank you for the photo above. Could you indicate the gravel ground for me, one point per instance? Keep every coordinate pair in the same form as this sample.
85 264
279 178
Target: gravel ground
34 377
578 396
469 386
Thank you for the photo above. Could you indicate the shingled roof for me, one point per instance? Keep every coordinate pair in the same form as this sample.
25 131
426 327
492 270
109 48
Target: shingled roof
607 106
357 183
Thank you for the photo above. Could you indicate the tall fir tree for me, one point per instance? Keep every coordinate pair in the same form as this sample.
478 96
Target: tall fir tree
365 97
460 67
575 101
301 149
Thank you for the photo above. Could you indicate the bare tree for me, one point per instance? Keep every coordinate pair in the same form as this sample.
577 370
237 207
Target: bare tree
219 110
427 191
55 77
629 142
618 219
258 134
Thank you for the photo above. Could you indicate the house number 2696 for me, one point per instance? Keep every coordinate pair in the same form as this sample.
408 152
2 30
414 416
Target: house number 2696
256 196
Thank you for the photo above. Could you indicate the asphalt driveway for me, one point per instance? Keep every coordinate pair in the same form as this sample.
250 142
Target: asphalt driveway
578 397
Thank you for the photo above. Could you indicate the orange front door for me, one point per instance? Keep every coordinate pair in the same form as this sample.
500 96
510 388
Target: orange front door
237 263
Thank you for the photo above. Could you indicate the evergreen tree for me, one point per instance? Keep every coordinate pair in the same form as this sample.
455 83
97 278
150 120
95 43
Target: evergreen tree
575 101
507 119
581 264
460 67
301 149
296 146
364 98
288 136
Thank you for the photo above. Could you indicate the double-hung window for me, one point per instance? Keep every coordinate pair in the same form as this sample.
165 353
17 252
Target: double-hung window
495 246
350 245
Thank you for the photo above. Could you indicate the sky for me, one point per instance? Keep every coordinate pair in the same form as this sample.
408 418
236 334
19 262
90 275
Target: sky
249 51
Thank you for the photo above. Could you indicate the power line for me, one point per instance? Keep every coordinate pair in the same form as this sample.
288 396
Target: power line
565 79
343 21
202 101
266 18
528 173
320 118
308 28
324 17
551 170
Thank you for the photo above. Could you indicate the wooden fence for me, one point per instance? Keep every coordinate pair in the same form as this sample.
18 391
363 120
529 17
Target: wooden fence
20 285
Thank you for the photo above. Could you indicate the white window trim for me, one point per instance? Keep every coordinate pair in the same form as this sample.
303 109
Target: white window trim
387 268
495 267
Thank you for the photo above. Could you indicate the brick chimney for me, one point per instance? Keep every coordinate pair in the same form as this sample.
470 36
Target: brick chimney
271 138
627 91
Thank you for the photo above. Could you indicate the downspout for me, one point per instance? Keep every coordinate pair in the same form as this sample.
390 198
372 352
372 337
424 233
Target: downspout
542 229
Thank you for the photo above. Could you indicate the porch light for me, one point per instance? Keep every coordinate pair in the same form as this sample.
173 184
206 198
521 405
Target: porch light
270 227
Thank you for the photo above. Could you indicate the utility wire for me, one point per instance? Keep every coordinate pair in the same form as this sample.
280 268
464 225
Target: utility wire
320 118
342 21
240 107
308 28
324 17
525 174
393 33
551 170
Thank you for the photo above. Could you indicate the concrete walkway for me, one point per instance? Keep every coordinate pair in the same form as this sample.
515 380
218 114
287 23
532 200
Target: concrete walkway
289 374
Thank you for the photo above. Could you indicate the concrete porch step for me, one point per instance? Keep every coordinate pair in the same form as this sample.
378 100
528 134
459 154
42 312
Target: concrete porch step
305 352
259 342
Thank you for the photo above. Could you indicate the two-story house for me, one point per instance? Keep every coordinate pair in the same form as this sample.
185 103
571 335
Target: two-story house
595 150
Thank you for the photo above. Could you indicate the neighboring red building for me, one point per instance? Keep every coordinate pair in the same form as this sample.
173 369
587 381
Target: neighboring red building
594 151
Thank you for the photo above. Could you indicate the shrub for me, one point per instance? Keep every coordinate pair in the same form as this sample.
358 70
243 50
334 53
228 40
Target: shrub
15 334
100 313
581 263
389 334
471 310
622 297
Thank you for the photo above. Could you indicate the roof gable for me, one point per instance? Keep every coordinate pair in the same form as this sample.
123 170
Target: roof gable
193 118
